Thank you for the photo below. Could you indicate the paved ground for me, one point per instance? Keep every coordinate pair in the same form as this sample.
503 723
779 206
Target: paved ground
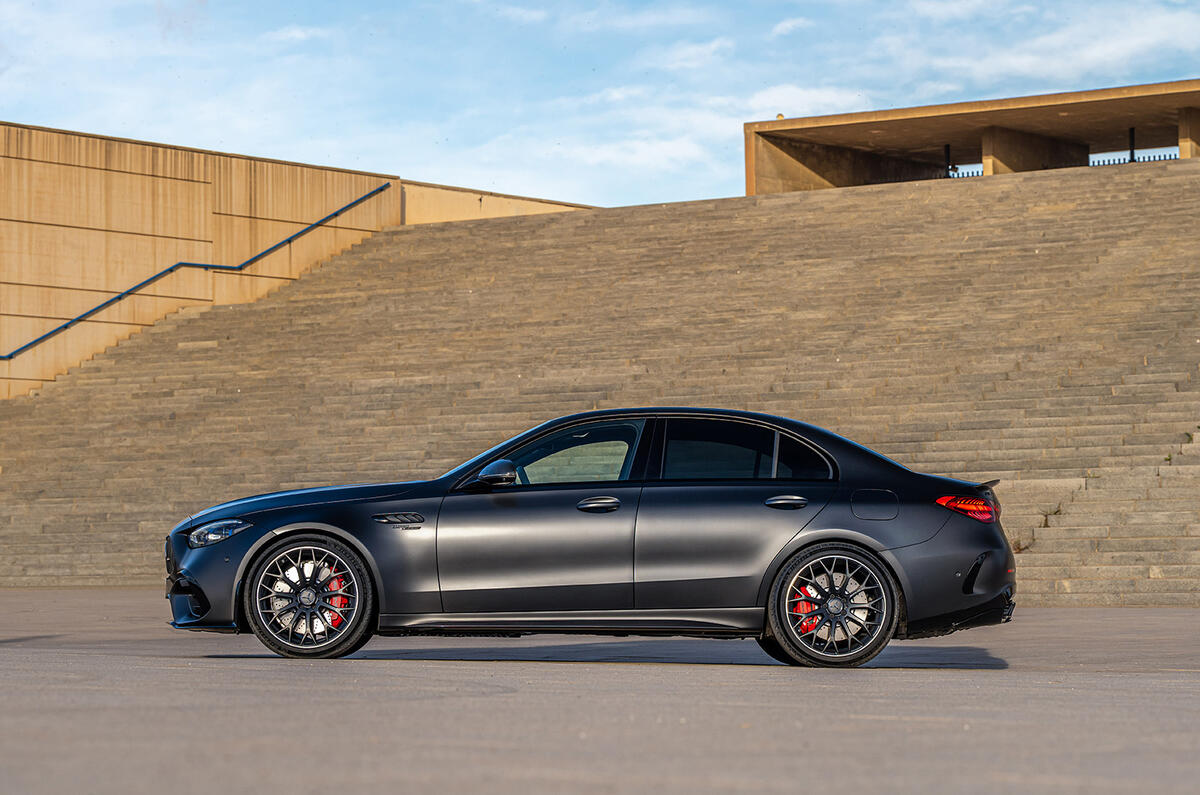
98 695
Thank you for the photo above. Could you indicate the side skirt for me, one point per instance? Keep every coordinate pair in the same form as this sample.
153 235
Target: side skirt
738 622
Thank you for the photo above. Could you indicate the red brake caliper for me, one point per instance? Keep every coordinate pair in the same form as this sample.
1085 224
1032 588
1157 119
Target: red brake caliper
339 602
806 607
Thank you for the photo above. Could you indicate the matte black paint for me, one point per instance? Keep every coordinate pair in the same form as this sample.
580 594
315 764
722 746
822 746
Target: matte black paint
558 557
673 557
701 544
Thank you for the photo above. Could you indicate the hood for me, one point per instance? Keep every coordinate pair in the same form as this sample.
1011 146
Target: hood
299 497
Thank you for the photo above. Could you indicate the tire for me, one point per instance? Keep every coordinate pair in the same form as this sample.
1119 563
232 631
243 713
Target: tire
310 596
775 651
845 616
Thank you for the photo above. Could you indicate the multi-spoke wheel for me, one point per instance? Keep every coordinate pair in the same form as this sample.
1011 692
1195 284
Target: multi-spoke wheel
833 605
310 596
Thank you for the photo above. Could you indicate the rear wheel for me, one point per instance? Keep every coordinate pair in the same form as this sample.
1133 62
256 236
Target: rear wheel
833 605
310 596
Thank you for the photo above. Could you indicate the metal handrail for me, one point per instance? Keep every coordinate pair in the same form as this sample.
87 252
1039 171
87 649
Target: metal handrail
208 267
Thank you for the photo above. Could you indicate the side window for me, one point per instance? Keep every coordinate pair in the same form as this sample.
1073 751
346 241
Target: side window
595 453
800 462
716 449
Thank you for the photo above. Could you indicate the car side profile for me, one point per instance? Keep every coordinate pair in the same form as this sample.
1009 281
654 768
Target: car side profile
655 521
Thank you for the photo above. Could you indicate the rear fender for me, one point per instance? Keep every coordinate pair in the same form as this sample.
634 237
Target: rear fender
852 537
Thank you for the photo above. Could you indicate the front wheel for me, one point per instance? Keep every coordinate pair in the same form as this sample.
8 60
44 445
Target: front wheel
833 606
310 596
771 647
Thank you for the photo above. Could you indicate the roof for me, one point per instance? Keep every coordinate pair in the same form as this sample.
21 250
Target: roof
1099 118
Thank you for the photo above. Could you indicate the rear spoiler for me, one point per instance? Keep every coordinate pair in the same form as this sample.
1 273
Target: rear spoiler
989 485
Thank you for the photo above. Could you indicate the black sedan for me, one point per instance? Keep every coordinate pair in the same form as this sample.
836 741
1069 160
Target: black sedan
665 521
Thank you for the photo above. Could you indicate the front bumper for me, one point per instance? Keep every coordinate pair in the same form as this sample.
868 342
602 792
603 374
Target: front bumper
202 600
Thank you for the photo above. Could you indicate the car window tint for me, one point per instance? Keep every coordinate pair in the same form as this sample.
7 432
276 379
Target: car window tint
595 453
800 462
715 449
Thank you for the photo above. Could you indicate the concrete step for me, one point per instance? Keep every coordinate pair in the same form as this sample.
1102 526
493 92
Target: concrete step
926 321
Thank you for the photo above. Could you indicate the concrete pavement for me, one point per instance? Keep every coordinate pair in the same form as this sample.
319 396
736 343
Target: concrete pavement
99 695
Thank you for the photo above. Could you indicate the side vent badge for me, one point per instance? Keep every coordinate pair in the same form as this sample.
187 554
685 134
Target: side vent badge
399 518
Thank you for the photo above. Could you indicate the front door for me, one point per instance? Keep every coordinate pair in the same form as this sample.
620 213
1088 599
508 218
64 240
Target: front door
560 538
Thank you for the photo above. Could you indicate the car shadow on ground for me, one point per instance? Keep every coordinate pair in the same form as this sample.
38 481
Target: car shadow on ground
28 638
679 652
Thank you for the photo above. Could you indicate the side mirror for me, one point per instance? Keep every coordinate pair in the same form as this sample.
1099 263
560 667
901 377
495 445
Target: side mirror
500 472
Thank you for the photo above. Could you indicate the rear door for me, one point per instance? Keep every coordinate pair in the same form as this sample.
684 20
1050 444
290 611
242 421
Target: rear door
729 495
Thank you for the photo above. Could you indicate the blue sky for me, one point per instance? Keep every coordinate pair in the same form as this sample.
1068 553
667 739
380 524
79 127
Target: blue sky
603 103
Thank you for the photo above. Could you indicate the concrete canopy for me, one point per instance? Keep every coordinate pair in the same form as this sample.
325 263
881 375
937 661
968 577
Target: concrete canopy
1061 126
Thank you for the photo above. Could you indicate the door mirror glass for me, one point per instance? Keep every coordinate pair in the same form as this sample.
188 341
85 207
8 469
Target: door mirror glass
500 472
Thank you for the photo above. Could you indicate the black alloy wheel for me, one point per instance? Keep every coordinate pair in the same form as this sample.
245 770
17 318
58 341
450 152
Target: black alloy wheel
310 596
833 605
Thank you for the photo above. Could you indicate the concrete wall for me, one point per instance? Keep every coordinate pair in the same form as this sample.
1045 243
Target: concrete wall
84 217
1007 151
776 165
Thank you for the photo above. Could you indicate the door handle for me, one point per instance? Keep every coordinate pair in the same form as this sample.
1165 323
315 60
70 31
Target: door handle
786 502
598 504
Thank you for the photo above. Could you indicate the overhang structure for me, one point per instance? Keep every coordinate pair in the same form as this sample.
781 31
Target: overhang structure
1005 135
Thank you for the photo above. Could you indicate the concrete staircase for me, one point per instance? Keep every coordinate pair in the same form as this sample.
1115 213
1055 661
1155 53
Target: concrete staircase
1042 328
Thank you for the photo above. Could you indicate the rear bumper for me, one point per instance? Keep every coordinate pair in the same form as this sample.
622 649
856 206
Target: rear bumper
963 577
998 610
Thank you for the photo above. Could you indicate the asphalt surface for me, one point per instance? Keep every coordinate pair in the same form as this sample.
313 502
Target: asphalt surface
98 695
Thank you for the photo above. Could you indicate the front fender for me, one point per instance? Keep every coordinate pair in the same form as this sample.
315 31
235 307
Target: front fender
271 536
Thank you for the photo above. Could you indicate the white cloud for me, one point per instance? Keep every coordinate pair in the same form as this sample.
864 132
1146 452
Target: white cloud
793 100
293 34
954 10
934 88
643 110
687 55
180 16
791 25
614 95
640 20
525 16
634 155
1109 42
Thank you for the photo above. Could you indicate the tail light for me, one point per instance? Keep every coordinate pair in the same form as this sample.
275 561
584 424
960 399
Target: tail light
980 508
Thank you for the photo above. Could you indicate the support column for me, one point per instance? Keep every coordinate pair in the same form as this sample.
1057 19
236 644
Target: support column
1006 151
1189 132
777 165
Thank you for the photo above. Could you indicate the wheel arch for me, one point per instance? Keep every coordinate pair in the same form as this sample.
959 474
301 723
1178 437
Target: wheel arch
852 538
310 528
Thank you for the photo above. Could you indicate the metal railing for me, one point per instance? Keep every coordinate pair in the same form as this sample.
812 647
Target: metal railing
1117 161
203 266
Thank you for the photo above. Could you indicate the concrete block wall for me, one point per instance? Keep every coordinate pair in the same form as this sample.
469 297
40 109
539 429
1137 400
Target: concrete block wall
84 217
1040 328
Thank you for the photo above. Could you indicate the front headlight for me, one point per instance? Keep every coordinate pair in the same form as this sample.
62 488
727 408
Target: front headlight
213 532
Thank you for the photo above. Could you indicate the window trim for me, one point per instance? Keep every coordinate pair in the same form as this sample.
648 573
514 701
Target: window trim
637 471
660 452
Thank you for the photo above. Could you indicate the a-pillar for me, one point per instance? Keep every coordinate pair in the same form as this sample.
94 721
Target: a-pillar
775 164
1006 151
